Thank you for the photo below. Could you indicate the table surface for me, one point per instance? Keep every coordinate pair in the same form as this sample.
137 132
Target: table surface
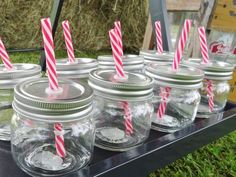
159 150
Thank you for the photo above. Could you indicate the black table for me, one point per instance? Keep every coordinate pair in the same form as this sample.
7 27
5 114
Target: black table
159 150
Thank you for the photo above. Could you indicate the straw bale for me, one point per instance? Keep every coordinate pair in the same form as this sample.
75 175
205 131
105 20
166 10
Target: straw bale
90 21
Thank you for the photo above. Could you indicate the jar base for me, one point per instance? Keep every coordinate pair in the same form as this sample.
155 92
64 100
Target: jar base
5 132
115 139
204 112
167 124
43 161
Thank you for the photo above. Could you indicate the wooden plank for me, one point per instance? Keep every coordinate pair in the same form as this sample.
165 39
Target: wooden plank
224 18
148 41
183 5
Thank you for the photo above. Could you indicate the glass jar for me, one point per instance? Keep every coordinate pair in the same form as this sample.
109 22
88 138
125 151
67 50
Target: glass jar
215 90
176 96
131 63
52 133
8 80
122 109
154 56
77 71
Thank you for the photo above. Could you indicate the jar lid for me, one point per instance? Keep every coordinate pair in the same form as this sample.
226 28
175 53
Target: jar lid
79 69
20 72
185 77
215 70
73 101
136 86
152 55
130 62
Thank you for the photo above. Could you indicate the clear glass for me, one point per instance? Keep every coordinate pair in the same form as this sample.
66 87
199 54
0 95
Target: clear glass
220 91
6 112
33 145
112 118
180 111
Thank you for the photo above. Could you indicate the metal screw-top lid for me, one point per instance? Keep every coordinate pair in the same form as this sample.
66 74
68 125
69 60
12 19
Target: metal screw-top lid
215 70
152 55
184 78
79 69
32 100
130 62
19 73
135 86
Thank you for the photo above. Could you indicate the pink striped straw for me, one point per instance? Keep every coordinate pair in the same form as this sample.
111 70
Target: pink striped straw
203 44
116 48
210 95
178 55
128 118
5 57
68 41
158 37
116 53
49 52
59 137
119 34
164 93
205 57
53 82
181 44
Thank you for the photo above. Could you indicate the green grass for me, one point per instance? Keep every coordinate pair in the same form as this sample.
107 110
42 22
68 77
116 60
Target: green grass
217 159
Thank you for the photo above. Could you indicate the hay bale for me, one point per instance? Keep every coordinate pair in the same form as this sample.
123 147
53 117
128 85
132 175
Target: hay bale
90 21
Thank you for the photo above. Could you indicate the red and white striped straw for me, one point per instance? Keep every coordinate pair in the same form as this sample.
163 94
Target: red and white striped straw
205 57
116 53
203 44
210 95
5 57
119 34
164 93
49 52
158 37
181 44
59 140
128 118
68 41
178 55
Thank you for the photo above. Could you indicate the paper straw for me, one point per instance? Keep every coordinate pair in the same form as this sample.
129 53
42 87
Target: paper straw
164 93
128 118
59 137
210 95
116 54
203 44
116 48
181 44
119 34
49 52
205 57
68 41
158 37
5 57
53 82
178 55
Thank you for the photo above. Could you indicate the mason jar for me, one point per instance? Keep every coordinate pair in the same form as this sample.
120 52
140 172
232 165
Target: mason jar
154 56
52 133
122 109
131 63
8 80
176 95
215 90
77 71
